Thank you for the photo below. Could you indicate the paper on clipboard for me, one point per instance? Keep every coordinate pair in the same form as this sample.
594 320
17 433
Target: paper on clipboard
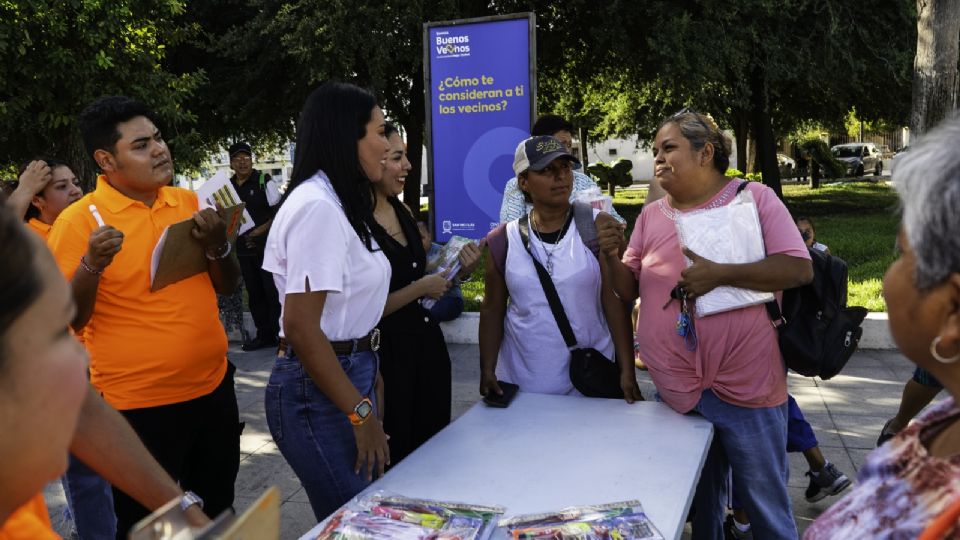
728 234
178 255
218 192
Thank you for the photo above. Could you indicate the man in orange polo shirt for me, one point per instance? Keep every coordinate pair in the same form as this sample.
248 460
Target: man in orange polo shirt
158 357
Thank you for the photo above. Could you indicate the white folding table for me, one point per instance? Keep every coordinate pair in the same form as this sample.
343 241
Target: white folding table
545 452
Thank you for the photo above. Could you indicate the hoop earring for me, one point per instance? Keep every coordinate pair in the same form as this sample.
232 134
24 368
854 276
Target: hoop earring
936 355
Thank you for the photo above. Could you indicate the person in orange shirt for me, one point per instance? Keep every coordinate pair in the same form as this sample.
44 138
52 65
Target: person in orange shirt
46 187
46 405
159 357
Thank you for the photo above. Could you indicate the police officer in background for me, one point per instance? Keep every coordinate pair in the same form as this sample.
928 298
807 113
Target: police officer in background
261 196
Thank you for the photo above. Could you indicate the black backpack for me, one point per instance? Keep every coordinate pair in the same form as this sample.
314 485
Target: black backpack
818 332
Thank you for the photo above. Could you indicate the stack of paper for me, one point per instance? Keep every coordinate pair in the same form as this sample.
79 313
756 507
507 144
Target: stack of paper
728 234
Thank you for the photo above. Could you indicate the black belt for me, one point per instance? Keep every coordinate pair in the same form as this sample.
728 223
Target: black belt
369 342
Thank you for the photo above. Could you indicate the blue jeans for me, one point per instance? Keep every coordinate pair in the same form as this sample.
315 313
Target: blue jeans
751 443
313 435
90 500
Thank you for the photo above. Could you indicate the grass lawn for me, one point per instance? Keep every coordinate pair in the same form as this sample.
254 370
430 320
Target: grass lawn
857 220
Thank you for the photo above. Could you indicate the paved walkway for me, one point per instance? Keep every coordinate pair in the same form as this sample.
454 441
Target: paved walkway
846 412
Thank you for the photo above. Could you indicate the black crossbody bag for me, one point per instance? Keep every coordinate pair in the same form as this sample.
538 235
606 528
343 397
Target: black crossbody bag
591 373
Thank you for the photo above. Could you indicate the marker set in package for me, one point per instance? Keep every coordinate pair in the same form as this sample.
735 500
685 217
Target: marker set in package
615 521
400 518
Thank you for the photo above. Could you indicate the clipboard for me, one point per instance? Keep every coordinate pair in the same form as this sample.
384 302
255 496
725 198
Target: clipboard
178 255
259 522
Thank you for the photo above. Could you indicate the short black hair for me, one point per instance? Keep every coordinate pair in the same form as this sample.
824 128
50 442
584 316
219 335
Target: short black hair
98 121
549 124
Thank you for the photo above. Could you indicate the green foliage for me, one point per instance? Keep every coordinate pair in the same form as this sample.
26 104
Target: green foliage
617 174
61 55
733 173
859 222
820 152
794 60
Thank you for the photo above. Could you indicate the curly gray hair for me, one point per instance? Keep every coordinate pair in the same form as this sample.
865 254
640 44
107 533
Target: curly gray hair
927 178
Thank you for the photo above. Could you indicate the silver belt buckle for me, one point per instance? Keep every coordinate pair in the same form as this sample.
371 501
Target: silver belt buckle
375 340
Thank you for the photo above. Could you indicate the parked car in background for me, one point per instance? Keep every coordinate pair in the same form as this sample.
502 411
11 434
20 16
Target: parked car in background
859 158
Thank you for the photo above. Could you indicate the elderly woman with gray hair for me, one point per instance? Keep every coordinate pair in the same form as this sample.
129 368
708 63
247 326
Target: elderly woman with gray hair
911 484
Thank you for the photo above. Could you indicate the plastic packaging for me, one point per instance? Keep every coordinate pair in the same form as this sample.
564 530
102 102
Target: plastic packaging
595 198
727 234
619 521
381 515
448 258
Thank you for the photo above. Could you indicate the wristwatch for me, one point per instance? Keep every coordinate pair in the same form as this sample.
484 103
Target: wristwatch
362 412
189 499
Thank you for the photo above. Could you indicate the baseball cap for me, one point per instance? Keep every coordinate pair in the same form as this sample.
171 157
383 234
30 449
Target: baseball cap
237 148
537 152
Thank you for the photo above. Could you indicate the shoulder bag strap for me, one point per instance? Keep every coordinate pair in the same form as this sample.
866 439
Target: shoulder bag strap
549 288
586 226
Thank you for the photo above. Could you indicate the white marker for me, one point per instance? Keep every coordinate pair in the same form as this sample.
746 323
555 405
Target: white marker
96 215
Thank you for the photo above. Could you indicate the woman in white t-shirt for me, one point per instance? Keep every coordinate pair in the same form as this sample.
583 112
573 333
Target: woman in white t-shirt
520 341
321 401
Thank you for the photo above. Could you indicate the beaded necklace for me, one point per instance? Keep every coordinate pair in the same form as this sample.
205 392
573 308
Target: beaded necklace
720 200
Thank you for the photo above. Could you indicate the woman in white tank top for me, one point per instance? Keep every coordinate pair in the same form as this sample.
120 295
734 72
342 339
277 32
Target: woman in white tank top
520 341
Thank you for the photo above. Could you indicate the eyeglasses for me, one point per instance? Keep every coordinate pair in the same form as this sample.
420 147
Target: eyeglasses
685 110
689 110
556 168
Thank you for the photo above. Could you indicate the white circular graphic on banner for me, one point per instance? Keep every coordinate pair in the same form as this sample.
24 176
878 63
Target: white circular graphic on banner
496 143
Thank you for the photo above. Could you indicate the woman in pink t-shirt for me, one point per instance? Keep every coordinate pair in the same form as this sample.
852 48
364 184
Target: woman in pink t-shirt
732 373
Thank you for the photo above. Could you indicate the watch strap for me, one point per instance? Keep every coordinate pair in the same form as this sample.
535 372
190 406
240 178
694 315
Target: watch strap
189 499
355 417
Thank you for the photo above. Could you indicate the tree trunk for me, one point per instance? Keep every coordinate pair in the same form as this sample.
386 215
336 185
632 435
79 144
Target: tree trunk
935 78
72 149
741 130
762 124
583 147
415 127
814 174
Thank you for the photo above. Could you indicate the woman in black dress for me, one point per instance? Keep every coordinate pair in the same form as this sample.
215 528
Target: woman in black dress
414 362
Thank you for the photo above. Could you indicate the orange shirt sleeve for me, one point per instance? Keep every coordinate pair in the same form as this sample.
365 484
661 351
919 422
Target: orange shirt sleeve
69 238
29 522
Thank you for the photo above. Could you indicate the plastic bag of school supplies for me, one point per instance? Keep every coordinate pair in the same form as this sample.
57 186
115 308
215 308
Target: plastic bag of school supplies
617 521
445 260
382 515
448 255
